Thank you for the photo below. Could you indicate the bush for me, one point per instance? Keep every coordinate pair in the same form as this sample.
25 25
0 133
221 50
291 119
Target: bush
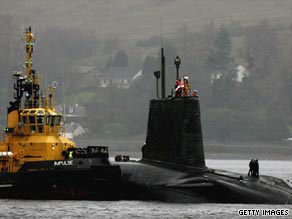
114 129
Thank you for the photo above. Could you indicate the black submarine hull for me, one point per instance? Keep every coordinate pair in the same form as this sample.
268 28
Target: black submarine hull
155 180
172 168
81 178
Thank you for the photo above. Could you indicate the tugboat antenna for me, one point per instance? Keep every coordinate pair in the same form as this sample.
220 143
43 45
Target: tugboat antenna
29 50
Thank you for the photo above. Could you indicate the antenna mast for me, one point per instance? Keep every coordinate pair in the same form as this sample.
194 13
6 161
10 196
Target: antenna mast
162 68
29 40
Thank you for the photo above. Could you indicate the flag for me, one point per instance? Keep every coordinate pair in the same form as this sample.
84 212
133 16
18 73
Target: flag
180 84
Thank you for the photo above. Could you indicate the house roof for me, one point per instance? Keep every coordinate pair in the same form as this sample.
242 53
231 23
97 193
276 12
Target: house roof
120 72
84 69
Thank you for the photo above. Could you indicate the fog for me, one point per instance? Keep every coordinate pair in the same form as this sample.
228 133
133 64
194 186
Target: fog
79 44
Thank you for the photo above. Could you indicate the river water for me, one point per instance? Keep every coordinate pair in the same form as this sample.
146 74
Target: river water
147 209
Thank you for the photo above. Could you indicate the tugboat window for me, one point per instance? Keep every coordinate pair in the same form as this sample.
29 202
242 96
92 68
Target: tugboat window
32 129
24 119
32 119
40 112
58 120
40 120
48 120
52 120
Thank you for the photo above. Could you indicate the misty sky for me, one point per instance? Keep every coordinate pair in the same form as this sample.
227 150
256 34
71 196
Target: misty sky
132 19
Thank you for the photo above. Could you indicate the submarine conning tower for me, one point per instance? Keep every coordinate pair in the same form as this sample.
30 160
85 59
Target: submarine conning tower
174 132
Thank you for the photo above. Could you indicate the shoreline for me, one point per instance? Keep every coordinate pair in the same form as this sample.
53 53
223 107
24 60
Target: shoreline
236 151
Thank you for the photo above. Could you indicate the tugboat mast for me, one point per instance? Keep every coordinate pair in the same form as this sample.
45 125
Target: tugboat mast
27 84
29 38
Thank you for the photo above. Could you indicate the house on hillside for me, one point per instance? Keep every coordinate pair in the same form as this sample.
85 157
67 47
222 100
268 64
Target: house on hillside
87 76
239 75
121 77
75 120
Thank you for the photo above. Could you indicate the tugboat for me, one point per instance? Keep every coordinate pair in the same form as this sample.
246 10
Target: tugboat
172 168
36 160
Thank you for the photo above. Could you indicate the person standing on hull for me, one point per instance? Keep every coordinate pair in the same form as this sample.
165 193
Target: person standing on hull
256 168
251 168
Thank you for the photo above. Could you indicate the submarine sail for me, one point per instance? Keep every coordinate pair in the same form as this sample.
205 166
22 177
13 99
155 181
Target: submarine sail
174 132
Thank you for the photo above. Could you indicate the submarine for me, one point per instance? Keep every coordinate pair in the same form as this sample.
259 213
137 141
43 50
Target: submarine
37 161
172 167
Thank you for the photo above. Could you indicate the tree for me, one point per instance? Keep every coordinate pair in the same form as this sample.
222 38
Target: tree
219 59
120 59
109 63
263 57
222 69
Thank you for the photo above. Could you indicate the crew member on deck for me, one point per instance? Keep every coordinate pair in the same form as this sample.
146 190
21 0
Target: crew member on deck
178 88
186 87
70 154
251 168
195 93
256 168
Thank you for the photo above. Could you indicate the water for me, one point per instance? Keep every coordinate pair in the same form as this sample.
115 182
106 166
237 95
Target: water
146 209
119 209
